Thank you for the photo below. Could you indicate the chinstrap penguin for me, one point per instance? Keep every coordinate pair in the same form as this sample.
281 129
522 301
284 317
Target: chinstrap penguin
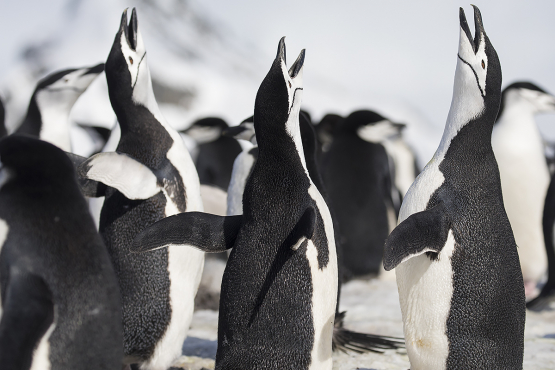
357 178
61 307
458 274
216 153
48 113
150 176
519 151
284 237
343 339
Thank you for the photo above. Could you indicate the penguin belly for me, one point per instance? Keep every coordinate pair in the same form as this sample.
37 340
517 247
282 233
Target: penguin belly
324 286
524 182
425 292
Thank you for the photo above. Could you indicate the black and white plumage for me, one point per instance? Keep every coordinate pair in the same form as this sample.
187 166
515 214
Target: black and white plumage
216 152
48 113
547 293
283 263
61 307
458 274
357 177
150 176
519 151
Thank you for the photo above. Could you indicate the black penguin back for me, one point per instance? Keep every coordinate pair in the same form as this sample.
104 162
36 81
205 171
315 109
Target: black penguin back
357 178
52 238
215 158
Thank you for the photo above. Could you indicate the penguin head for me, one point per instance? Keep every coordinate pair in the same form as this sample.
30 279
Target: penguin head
206 130
369 126
527 96
63 88
30 163
477 87
278 100
127 71
243 131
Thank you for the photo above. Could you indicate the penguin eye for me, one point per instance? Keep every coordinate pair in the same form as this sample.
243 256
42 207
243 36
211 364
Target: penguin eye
289 84
66 80
483 65
131 60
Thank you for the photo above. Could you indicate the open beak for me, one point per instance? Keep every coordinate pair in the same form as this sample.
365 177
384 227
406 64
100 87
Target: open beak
281 55
297 66
130 31
479 27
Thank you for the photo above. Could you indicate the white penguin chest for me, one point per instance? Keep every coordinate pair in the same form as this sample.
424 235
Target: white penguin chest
425 286
425 292
324 282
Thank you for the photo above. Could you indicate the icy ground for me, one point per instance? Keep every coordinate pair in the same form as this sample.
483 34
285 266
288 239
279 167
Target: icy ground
372 306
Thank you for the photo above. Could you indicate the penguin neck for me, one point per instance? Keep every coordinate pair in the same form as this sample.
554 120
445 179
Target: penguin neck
282 146
131 112
54 116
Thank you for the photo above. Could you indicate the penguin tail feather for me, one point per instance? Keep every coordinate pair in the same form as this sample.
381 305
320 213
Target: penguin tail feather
345 340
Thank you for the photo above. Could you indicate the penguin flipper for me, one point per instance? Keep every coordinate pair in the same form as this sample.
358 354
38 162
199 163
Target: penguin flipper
422 232
121 172
89 188
204 231
28 312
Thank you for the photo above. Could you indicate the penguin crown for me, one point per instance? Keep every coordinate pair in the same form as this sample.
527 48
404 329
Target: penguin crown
75 80
537 98
278 100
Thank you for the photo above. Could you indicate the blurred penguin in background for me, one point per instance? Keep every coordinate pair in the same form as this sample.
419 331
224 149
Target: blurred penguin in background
520 154
215 154
48 113
325 130
357 178
61 305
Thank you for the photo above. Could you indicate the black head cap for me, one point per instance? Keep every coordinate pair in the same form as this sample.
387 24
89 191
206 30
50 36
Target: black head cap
358 119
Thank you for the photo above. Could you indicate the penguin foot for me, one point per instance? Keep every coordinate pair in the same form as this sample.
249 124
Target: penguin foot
345 340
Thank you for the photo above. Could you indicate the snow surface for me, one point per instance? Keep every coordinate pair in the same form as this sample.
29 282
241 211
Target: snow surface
373 307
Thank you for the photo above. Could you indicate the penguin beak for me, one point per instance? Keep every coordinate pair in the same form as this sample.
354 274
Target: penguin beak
244 131
399 126
130 31
479 28
297 66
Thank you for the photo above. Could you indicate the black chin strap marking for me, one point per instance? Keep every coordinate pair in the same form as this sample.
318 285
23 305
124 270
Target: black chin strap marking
138 68
475 75
293 100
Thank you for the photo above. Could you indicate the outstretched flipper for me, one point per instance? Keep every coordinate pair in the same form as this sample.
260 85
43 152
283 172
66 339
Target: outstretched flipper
28 312
119 171
422 232
209 233
345 340
547 295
